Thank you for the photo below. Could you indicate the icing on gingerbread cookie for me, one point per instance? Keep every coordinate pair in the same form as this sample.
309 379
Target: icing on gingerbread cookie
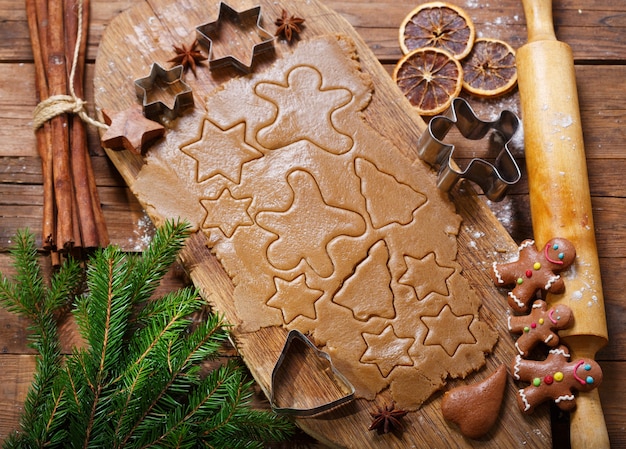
555 378
534 270
540 326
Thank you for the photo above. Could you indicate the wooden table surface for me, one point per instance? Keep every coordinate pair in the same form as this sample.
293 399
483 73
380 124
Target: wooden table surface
596 31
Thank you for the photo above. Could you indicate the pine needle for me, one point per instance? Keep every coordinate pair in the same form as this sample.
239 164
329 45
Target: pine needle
138 382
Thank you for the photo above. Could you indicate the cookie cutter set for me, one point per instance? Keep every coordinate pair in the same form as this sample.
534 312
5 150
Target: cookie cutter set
161 78
494 178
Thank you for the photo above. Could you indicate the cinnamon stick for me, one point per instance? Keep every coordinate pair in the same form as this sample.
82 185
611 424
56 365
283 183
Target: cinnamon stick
44 145
78 135
72 213
57 85
103 233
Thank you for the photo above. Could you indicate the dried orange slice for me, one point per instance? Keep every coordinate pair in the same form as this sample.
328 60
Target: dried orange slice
430 78
438 25
489 70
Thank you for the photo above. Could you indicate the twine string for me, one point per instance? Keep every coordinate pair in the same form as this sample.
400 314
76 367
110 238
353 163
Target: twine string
64 104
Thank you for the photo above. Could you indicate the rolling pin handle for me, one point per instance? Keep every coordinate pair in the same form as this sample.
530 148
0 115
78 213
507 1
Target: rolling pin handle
587 425
539 20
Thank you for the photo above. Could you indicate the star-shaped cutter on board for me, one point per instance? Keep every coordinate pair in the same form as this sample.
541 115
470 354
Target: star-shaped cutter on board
171 80
209 32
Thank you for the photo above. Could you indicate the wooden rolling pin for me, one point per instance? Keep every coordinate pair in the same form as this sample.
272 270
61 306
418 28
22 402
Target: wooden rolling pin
560 202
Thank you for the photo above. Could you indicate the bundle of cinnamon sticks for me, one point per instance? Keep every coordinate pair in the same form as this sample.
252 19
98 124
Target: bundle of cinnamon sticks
72 219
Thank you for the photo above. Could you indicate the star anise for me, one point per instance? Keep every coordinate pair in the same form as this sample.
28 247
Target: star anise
387 419
188 57
288 26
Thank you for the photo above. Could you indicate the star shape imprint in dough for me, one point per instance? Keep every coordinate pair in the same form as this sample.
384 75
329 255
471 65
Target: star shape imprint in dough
226 212
448 330
387 350
305 112
426 276
220 152
130 130
306 228
294 298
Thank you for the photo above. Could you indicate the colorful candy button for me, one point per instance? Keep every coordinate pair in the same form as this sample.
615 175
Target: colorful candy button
548 379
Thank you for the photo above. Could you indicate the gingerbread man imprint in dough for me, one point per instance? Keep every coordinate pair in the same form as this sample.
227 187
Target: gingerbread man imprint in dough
540 326
534 270
555 378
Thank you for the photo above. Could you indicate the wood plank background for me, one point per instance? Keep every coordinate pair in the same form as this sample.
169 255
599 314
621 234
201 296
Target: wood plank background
596 30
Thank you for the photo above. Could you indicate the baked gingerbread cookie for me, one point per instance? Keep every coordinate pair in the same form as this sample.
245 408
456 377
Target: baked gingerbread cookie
475 408
541 325
555 378
534 270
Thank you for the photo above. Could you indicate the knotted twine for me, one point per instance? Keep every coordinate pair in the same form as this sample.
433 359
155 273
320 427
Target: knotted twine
64 104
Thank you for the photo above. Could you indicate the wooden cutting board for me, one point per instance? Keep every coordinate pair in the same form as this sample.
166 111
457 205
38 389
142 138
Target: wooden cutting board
145 34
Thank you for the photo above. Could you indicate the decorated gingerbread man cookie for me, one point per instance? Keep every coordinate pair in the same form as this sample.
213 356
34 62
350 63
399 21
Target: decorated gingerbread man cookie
555 379
534 270
540 326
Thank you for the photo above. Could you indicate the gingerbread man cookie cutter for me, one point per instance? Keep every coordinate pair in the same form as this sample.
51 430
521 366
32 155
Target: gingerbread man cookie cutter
167 80
494 178
212 31
294 338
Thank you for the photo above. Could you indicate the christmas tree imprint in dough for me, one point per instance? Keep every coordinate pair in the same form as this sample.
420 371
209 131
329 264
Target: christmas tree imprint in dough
358 286
324 225
377 187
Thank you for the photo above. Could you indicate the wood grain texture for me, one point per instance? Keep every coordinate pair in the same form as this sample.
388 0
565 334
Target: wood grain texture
560 198
392 117
596 31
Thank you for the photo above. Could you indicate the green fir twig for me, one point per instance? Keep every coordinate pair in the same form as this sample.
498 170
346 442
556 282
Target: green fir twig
138 381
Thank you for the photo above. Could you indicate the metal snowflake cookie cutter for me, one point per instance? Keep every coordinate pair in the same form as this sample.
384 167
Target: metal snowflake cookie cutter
324 368
248 21
167 82
494 178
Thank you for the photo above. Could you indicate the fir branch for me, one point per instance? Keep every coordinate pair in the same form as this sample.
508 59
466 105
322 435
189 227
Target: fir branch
206 339
28 295
138 382
169 319
157 259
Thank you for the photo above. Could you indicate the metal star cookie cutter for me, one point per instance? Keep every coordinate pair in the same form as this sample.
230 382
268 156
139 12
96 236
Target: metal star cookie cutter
209 32
166 80
494 178
343 384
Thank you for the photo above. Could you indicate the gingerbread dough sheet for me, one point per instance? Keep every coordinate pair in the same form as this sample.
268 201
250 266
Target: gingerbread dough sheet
323 225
